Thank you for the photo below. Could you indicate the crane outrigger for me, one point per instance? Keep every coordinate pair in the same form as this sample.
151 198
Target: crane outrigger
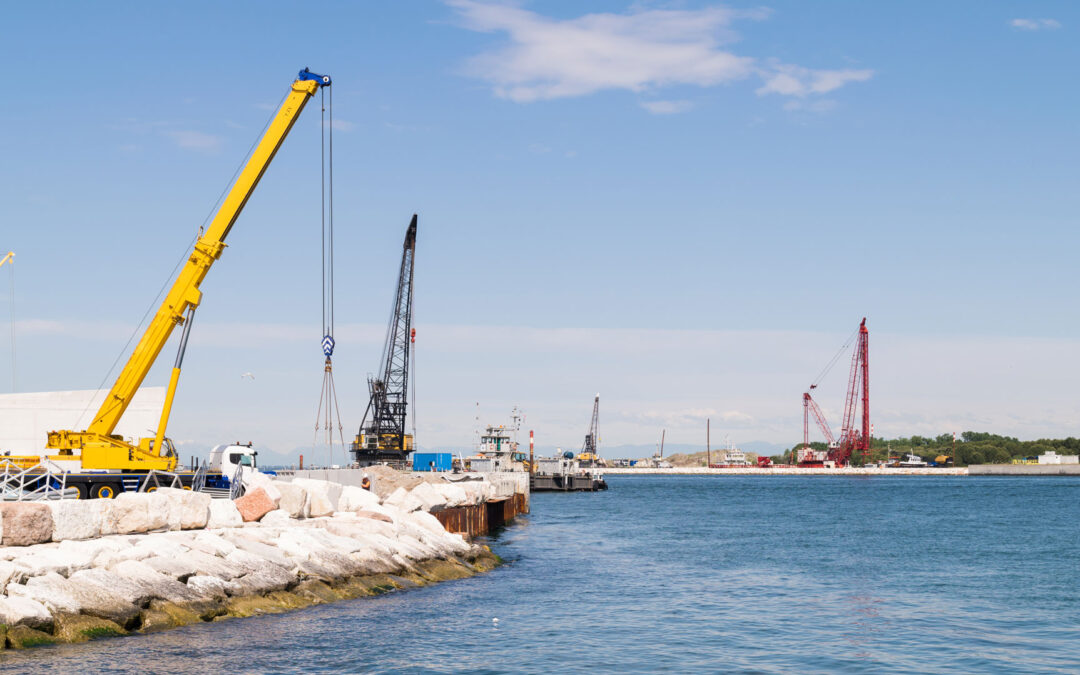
97 447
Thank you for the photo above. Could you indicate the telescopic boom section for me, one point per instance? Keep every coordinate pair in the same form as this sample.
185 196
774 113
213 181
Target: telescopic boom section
185 293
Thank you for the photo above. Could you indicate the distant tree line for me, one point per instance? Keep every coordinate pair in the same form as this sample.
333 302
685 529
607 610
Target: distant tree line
971 447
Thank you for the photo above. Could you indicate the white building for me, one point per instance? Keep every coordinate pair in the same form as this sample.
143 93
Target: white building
25 419
1052 457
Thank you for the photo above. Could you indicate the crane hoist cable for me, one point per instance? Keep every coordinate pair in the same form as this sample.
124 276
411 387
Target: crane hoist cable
835 359
325 416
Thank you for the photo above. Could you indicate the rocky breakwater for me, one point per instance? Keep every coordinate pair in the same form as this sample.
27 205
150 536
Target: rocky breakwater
76 570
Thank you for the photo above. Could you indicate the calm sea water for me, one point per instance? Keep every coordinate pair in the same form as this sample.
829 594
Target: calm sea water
693 574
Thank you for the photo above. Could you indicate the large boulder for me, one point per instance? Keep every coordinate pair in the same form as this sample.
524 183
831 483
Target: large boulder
9 573
16 611
276 518
432 499
25 523
62 595
76 518
323 496
294 499
131 513
254 480
254 505
356 499
186 510
223 513
404 500
455 495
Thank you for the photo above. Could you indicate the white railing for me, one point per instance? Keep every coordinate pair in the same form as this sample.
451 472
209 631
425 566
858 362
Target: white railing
42 481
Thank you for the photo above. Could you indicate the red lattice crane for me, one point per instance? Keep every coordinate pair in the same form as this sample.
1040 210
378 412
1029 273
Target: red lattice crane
851 439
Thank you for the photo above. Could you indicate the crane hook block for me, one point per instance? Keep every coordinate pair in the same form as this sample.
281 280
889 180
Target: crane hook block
323 80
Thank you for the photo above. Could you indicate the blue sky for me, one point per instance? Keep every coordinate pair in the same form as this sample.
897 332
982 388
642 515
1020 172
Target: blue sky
686 206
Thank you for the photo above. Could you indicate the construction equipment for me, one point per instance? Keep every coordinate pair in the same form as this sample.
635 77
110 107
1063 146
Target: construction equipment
852 439
10 257
97 447
382 437
589 457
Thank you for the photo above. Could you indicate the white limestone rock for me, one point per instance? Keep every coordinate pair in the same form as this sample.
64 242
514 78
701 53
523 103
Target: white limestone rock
266 580
276 518
10 573
256 479
130 513
209 586
323 496
453 494
270 554
356 499
153 584
185 509
62 595
76 518
404 500
294 499
432 499
212 543
19 611
223 513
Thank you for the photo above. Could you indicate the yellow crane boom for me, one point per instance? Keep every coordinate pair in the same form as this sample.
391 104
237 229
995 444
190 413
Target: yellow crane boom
100 449
10 257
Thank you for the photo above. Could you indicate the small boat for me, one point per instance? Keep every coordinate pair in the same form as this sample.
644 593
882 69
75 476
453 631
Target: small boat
910 461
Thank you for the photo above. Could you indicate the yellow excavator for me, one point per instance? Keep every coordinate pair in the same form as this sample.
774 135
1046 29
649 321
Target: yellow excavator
97 448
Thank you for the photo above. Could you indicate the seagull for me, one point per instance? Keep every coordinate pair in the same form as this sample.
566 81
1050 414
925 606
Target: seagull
249 375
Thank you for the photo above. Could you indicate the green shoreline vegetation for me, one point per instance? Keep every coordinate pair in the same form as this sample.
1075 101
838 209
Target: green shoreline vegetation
972 447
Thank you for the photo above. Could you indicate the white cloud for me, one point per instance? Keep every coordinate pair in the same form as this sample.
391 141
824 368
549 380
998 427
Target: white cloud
551 58
343 125
666 107
640 51
788 80
1035 24
195 140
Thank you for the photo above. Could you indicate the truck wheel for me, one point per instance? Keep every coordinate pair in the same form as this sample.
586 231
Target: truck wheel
104 491
84 491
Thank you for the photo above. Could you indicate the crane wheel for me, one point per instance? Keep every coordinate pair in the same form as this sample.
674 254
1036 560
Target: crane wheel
105 491
84 491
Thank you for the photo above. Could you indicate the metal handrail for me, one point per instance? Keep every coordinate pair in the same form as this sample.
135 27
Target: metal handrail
198 482
42 481
154 476
236 486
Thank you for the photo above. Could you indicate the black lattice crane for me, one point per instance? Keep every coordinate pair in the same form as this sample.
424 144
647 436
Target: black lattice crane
382 436
589 449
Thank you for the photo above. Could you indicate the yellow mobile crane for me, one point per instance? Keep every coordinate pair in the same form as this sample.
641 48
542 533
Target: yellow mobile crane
97 447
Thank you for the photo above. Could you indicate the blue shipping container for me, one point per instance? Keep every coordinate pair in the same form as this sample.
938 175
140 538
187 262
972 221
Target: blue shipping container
432 461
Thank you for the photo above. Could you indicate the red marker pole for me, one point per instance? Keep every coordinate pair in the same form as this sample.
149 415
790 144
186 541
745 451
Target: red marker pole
532 464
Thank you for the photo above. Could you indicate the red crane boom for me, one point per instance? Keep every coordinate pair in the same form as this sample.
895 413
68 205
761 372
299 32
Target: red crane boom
811 406
851 439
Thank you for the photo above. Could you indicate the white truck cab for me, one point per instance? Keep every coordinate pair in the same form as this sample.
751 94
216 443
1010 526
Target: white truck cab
225 458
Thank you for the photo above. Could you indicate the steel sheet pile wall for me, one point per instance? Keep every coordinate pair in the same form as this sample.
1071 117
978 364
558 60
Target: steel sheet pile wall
481 519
